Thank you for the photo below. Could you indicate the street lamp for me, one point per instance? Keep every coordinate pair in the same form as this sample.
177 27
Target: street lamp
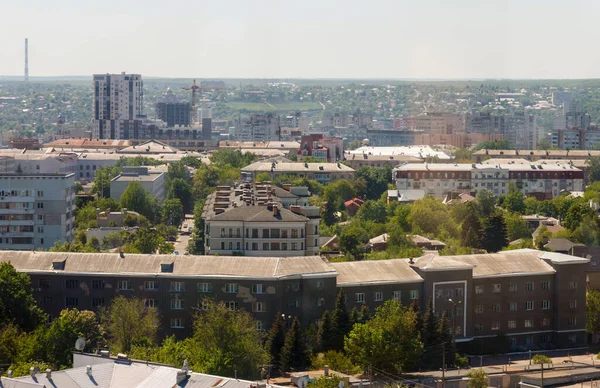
454 304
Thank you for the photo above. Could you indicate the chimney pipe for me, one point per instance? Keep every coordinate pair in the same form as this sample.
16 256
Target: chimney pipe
326 370
275 210
49 373
9 374
88 370
32 371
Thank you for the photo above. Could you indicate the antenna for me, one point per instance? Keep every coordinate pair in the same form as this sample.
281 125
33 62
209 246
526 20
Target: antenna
26 60
80 344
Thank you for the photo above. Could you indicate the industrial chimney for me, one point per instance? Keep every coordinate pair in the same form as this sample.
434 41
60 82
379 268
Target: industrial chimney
26 61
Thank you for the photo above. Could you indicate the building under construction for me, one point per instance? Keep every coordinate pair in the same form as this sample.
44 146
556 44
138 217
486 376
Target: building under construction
174 112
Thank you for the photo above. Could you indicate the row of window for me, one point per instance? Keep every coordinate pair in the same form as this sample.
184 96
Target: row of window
20 193
359 297
514 287
527 323
513 306
178 323
274 246
266 233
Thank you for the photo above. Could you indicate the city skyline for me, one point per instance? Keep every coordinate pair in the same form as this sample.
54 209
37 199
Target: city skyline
312 39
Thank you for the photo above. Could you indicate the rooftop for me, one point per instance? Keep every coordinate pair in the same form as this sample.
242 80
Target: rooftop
282 145
539 153
353 273
561 244
533 166
259 214
297 167
88 143
417 151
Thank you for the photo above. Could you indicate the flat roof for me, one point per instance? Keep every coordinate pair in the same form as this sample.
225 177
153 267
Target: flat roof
298 167
356 273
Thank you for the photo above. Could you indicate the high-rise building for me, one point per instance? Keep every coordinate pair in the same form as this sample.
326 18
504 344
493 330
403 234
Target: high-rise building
559 98
36 210
519 129
258 128
572 117
440 123
118 105
174 112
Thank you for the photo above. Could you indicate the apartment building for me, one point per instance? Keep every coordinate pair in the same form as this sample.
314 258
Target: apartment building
321 172
37 162
328 149
534 299
173 111
151 178
265 127
575 138
252 220
440 123
534 155
36 210
519 129
572 116
357 161
117 106
535 179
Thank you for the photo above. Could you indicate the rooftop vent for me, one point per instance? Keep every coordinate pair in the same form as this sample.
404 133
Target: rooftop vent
88 370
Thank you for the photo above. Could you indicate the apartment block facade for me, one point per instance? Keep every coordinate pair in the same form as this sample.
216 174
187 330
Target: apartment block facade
532 299
117 104
265 127
536 179
36 210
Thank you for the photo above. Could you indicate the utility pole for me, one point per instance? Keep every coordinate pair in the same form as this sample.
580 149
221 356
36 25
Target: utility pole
542 385
444 365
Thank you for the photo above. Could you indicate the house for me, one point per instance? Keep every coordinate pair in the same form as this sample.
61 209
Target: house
352 205
562 245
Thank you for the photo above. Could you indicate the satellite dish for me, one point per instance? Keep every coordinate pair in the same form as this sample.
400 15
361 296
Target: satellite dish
80 344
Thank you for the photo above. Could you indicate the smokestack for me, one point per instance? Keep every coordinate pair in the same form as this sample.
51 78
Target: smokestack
26 60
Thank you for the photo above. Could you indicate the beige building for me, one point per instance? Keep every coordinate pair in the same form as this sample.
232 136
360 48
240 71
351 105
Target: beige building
440 123
321 172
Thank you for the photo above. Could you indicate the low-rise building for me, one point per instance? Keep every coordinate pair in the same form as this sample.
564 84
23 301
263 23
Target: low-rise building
543 181
250 220
533 155
112 218
152 180
356 161
321 172
36 210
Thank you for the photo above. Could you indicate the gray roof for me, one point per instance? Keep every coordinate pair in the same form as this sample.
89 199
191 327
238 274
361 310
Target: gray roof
183 266
297 167
258 214
117 374
354 273
281 193
561 244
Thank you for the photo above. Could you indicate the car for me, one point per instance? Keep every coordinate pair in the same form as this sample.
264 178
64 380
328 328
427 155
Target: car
186 253
175 252
171 238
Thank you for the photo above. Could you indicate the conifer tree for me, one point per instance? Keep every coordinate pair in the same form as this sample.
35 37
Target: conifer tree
446 336
275 342
341 321
431 339
295 355
494 233
326 332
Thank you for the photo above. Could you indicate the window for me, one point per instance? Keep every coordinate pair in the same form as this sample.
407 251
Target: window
150 303
258 307
572 338
529 305
259 325
47 301
545 304
320 284
360 297
396 295
294 246
222 245
448 293
512 324
378 296
545 285
150 285
97 302
45 284
414 294
529 286
573 304
512 306
72 283
265 233
232 288
459 292
40 193
40 205
291 304
478 327
97 284
176 323
529 323
545 338
177 286
320 302
176 304
572 285
257 289
204 304
292 287
496 288
71 302
545 322
496 308
439 293
265 247
294 233
496 326
478 309
572 321
479 289
124 285
232 306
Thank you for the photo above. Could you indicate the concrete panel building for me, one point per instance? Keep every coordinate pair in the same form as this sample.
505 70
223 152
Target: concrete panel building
36 210
263 127
152 180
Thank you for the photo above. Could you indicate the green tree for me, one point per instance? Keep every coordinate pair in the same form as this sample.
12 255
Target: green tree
471 228
274 344
514 201
226 341
326 333
336 361
70 325
77 187
331 381
145 240
376 180
295 355
494 233
477 379
447 338
588 231
593 169
263 177
592 312
431 338
374 211
172 212
328 213
127 322
388 342
102 178
136 198
178 188
516 226
577 213
17 304
341 321
351 241
486 202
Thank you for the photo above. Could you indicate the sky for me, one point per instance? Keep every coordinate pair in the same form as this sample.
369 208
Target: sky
303 39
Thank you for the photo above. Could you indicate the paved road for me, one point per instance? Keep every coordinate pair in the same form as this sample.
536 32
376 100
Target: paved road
182 243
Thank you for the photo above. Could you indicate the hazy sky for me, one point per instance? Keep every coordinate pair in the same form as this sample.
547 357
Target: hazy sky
303 39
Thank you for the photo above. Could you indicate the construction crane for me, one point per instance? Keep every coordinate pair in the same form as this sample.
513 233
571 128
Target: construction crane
193 88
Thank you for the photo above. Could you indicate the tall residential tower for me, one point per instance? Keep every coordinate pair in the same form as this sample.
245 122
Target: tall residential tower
118 106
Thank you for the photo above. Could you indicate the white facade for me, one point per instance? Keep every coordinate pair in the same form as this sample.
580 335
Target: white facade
536 178
118 101
258 128
36 210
